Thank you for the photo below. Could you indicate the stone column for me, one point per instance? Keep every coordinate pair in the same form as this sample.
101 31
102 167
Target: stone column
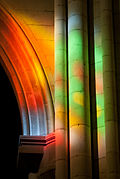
60 90
79 110
100 117
111 127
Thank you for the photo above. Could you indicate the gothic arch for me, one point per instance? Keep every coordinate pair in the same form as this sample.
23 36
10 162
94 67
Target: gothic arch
27 76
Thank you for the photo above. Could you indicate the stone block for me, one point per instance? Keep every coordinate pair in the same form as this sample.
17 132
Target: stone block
80 166
80 141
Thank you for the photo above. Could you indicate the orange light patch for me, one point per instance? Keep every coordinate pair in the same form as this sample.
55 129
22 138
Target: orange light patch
99 84
78 70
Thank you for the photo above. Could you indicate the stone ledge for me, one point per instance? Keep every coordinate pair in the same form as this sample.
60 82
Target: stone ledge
35 144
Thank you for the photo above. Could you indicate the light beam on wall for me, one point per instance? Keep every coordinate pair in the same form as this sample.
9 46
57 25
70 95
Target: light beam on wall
30 75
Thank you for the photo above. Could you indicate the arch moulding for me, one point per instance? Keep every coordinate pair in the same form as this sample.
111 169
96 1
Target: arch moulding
27 76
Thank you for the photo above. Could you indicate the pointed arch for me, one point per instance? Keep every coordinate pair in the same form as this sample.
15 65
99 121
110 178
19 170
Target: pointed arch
26 73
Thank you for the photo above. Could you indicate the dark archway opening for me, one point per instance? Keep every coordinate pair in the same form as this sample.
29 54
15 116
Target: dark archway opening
11 126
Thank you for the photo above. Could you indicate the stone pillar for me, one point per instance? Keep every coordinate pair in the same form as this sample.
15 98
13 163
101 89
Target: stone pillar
111 127
79 110
60 90
100 117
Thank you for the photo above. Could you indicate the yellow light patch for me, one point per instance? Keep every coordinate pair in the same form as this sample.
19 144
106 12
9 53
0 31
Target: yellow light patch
74 118
78 98
98 111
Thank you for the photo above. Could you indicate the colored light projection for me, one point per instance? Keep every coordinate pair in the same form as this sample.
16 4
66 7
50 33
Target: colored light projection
24 66
78 73
42 36
36 19
76 78
60 83
60 73
60 90
79 119
99 94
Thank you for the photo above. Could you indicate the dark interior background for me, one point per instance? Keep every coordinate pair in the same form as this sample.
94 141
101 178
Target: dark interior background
10 126
13 164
